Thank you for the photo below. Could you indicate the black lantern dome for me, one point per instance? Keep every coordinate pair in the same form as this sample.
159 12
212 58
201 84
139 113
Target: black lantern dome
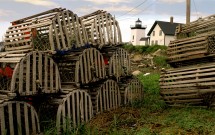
138 25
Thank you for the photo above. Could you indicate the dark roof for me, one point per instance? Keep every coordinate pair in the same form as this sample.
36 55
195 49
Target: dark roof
144 38
1 43
167 27
138 20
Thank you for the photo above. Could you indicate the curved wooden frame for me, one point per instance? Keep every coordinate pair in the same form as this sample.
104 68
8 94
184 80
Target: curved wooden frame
107 97
74 109
33 72
102 29
119 64
18 118
84 68
133 91
56 29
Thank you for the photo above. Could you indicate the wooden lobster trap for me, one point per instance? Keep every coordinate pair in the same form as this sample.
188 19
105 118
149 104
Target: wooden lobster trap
75 109
188 85
102 29
105 96
56 29
119 64
81 67
131 90
27 74
200 26
66 111
191 48
18 118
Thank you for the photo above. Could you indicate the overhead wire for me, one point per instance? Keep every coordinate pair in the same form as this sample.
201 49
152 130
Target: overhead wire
133 8
195 8
140 11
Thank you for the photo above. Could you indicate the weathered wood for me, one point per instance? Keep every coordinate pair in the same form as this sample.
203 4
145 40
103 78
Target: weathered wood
187 84
100 24
71 109
132 91
102 101
21 77
84 67
190 48
197 27
119 63
47 31
16 114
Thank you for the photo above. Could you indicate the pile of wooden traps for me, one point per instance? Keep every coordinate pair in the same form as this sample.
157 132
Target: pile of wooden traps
64 69
192 81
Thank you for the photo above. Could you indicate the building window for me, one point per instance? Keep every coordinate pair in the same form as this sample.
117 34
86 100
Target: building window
152 42
160 33
133 37
153 33
156 42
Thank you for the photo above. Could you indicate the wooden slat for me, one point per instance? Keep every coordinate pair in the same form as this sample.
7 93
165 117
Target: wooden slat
51 75
34 72
28 59
2 121
10 113
61 33
19 122
46 74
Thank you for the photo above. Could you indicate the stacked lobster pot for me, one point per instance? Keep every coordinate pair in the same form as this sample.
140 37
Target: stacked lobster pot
62 68
192 81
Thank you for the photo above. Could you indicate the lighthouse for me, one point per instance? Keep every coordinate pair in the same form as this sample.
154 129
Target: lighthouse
138 33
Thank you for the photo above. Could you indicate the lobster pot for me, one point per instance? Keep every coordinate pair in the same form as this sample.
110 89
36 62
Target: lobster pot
75 109
119 64
182 50
56 29
27 74
133 91
102 29
106 97
187 85
18 118
200 26
82 67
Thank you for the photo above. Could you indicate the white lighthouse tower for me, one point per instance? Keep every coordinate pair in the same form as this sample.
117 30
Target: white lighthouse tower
137 33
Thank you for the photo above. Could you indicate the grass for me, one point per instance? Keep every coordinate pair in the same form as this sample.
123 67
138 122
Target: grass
144 49
151 116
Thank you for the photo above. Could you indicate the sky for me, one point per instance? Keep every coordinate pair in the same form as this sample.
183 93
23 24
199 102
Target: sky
126 12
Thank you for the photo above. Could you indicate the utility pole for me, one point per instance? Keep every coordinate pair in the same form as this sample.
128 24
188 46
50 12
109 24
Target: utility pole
188 12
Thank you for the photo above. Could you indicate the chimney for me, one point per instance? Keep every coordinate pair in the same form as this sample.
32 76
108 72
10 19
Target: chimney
171 20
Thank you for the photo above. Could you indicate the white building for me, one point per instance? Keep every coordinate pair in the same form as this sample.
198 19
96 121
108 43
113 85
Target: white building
138 34
161 33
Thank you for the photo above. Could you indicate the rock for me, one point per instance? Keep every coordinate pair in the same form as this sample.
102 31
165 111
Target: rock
137 72
146 74
137 58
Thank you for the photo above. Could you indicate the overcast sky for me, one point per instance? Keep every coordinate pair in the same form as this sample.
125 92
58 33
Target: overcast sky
125 11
